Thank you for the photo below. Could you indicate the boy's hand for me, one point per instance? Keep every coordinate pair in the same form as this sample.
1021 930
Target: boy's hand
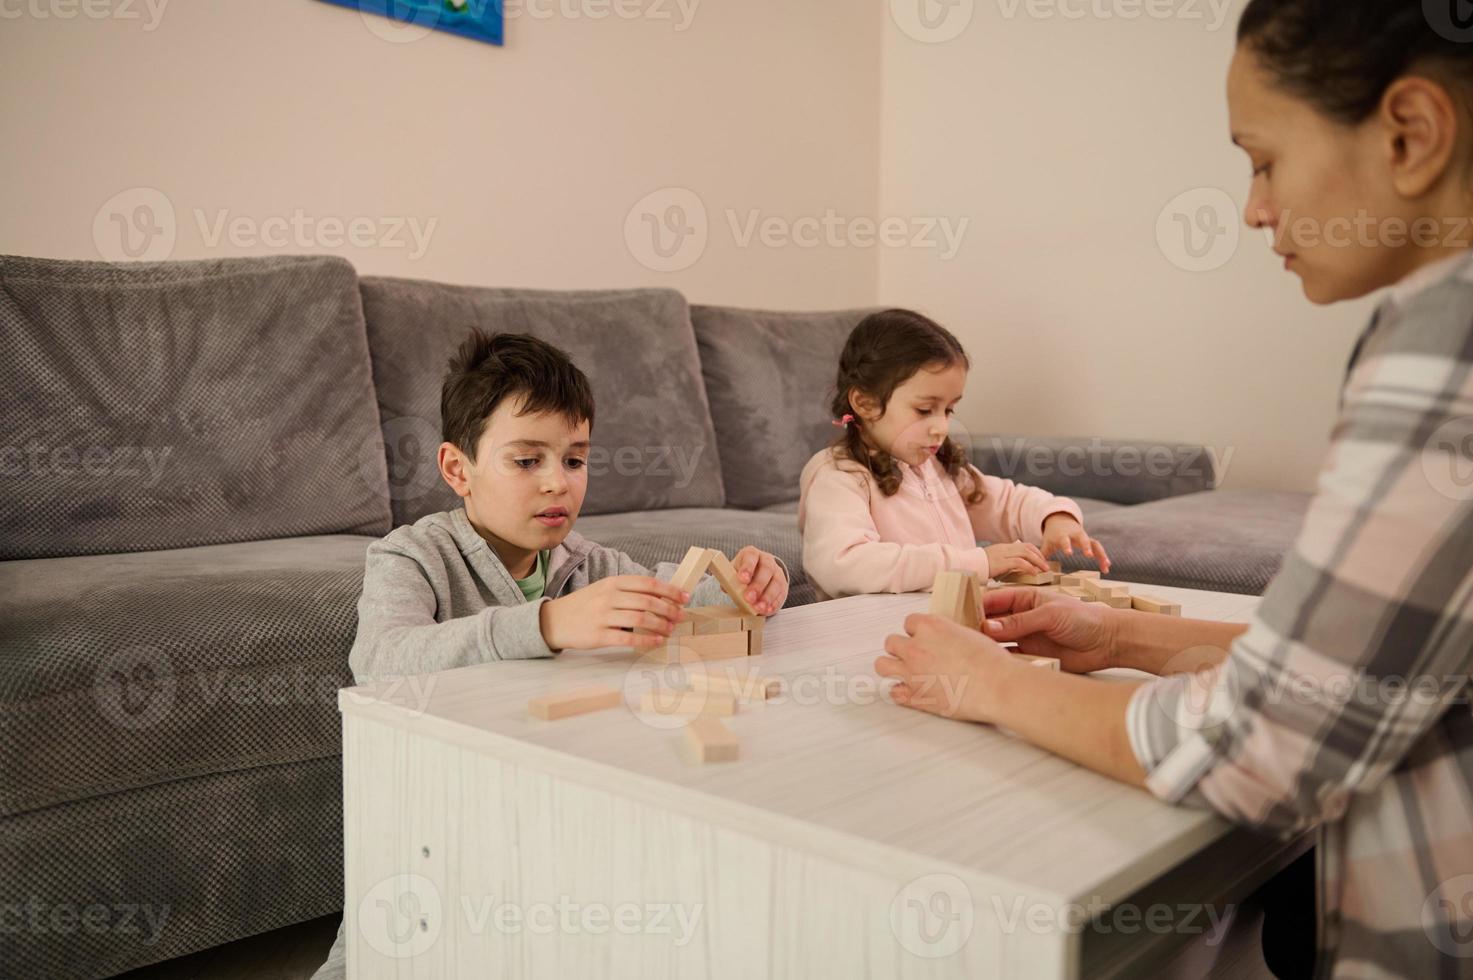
599 615
1062 534
1004 559
767 586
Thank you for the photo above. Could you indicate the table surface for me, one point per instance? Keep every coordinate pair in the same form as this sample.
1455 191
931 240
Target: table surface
832 764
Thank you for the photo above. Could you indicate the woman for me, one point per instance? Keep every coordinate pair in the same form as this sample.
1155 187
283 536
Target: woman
1341 706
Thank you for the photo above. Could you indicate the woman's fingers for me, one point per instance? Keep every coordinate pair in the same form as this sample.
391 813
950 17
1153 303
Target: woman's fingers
1015 626
1000 602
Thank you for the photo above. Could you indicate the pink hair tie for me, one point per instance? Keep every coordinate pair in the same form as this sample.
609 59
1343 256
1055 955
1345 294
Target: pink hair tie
843 423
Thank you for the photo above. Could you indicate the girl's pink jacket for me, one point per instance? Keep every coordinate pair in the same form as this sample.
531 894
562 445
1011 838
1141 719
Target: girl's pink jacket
857 540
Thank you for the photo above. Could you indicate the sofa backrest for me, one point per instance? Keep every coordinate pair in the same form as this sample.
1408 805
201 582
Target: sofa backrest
165 405
770 379
653 442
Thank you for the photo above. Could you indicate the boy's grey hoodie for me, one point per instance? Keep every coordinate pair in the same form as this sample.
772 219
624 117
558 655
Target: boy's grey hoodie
436 596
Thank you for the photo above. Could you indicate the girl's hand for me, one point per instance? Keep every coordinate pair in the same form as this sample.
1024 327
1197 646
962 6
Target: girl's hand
599 615
1004 559
1062 534
1081 636
944 668
767 583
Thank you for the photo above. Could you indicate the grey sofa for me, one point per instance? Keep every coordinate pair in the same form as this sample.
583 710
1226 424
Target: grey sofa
197 455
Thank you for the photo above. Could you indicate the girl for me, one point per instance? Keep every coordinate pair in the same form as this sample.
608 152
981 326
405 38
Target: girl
894 501
1342 706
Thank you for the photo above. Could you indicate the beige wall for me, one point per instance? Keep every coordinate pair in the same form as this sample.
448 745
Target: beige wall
1057 141
1063 140
528 158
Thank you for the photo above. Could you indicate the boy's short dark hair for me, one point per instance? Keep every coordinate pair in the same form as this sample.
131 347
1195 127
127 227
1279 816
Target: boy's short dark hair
489 368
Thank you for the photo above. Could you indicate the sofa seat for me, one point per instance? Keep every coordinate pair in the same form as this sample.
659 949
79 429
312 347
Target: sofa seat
1221 540
129 670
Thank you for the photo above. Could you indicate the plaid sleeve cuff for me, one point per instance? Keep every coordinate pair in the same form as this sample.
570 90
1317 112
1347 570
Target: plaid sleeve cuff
1171 735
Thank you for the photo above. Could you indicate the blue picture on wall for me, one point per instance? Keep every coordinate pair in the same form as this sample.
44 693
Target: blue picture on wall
480 20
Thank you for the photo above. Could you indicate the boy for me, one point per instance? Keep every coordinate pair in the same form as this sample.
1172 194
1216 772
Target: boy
505 577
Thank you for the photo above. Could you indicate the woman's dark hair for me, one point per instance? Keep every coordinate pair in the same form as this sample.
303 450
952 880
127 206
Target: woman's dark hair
1342 55
487 369
883 351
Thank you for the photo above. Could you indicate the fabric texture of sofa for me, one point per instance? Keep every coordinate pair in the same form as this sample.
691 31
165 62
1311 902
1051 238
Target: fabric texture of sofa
199 453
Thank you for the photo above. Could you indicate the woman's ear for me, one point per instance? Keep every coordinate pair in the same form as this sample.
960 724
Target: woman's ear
1421 120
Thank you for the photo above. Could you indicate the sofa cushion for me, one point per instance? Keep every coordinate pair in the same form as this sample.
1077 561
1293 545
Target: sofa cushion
651 537
653 443
1121 471
1222 540
168 405
770 379
123 671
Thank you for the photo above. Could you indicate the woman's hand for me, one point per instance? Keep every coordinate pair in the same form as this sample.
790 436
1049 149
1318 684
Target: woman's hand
1004 559
1062 534
767 585
1080 635
944 668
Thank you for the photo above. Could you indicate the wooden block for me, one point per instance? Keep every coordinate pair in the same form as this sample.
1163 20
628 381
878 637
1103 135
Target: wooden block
1047 663
1078 579
754 643
753 623
669 701
551 707
692 567
713 646
748 685
714 619
726 574
711 741
954 597
1151 604
1027 578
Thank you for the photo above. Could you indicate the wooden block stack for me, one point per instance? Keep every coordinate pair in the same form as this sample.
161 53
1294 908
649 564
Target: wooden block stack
1086 586
712 632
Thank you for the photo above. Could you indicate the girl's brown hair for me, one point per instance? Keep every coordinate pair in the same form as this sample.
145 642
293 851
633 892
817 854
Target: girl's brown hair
884 351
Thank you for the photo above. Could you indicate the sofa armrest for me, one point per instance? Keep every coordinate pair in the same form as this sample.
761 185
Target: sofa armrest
1123 471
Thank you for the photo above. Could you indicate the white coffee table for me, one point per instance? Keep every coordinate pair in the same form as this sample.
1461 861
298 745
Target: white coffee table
854 838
